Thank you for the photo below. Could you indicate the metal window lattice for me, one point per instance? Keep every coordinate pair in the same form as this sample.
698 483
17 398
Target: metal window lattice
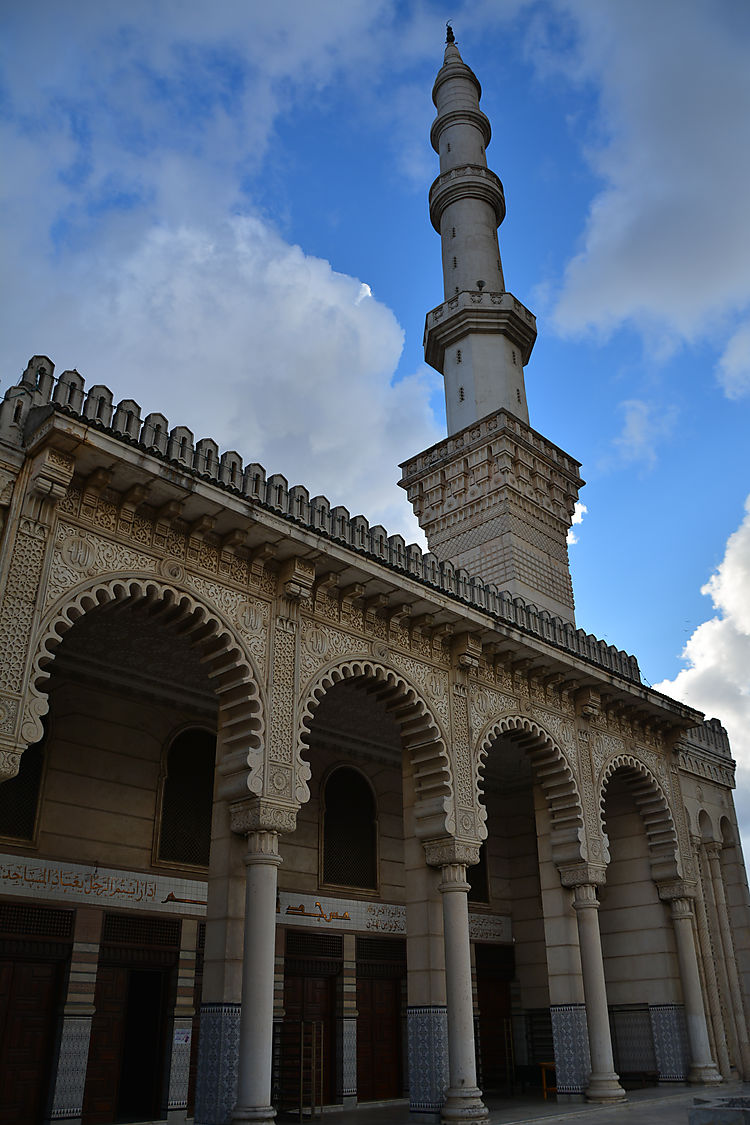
185 831
35 921
124 929
327 946
349 832
19 796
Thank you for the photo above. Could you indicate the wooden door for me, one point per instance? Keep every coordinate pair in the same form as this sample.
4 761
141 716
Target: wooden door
378 1038
29 994
494 973
308 999
105 1047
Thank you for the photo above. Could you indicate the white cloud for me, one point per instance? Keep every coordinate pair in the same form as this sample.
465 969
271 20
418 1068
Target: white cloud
248 340
734 366
717 677
666 245
645 424
579 512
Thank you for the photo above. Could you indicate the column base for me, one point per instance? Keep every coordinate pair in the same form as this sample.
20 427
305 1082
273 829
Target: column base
465 1106
260 1115
704 1075
605 1088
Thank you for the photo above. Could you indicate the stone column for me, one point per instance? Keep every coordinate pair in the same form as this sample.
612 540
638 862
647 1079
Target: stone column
256 1018
709 969
348 1023
463 1102
702 1066
713 851
73 1051
604 1085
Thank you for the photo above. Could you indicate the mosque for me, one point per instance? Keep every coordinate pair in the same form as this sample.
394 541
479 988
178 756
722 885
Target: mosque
296 815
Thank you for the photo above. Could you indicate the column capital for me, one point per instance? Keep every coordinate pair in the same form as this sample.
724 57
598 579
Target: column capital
263 847
258 814
440 853
585 897
454 878
681 908
583 874
713 848
677 889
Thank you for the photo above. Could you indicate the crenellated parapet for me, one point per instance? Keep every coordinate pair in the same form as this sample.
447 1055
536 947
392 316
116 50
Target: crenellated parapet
704 751
43 397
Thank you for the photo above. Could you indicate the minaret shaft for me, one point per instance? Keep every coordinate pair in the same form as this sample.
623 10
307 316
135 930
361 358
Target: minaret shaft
481 337
495 498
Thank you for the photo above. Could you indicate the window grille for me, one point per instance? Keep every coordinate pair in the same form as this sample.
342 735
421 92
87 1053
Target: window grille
127 929
185 831
381 949
349 831
478 879
35 921
19 796
314 945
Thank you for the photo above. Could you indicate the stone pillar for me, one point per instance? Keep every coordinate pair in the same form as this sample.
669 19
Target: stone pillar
73 1051
709 969
463 1100
604 1085
725 933
702 1066
256 1016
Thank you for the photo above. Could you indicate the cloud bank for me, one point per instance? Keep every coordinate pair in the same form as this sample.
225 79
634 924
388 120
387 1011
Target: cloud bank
666 244
717 677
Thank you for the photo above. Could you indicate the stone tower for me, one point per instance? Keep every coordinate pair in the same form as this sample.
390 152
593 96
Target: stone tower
495 497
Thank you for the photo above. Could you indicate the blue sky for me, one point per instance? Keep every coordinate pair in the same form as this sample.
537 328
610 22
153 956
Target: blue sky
221 211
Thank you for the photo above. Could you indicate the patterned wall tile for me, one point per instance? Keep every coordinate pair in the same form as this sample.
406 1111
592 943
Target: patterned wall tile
71 1067
218 1059
670 1041
179 1069
571 1039
428 1057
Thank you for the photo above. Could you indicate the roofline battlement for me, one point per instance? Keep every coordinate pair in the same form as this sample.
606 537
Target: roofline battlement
38 393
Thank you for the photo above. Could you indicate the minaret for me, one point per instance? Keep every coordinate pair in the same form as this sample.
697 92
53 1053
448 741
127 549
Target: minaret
495 498
481 337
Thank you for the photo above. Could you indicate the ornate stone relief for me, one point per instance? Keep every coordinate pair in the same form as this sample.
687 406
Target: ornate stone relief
321 645
433 683
562 731
17 612
249 615
79 554
486 703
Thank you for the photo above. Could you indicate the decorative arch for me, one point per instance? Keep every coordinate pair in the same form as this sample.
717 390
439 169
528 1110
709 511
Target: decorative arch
652 804
229 668
420 734
552 773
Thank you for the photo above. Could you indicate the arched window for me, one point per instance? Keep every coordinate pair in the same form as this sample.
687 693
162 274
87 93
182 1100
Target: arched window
350 848
187 798
478 879
19 796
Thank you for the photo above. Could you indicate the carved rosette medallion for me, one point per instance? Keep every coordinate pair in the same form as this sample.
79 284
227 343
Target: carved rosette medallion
79 555
321 645
485 703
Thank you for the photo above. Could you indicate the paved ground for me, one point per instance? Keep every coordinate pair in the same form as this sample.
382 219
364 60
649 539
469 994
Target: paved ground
665 1105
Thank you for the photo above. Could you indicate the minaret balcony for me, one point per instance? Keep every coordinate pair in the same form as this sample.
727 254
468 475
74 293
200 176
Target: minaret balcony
477 310
469 181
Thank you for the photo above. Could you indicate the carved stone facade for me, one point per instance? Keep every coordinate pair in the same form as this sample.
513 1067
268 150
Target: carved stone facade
523 808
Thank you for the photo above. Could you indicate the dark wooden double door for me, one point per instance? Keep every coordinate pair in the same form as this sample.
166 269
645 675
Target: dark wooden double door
379 1066
30 1001
126 1068
495 970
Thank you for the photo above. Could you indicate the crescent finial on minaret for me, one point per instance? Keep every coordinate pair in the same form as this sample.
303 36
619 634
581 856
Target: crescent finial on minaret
449 36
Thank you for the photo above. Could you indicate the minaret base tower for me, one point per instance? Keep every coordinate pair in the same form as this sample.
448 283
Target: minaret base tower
497 499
